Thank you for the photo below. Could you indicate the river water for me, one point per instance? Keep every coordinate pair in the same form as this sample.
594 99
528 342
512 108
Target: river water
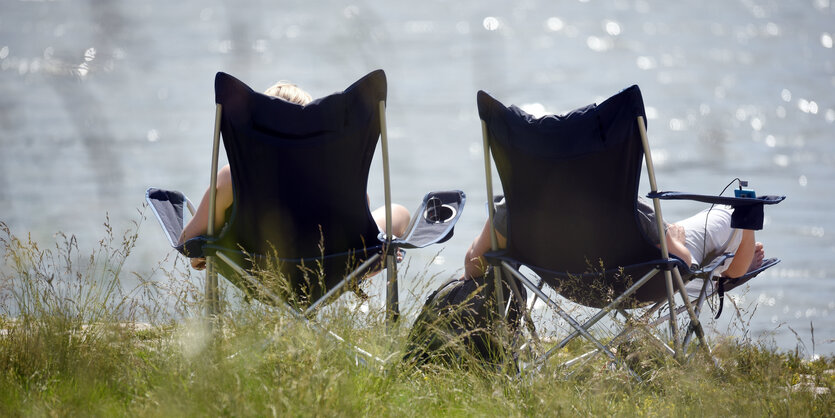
100 100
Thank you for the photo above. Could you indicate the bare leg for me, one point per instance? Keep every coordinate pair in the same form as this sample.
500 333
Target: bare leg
759 255
399 219
198 224
474 263
744 256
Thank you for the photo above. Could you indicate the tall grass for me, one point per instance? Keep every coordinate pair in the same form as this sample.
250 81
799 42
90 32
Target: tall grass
73 343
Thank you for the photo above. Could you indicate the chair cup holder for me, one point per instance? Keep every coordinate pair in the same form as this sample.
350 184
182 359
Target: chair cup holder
437 212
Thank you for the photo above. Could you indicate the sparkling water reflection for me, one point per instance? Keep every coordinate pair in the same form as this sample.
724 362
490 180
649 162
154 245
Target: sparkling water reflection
99 100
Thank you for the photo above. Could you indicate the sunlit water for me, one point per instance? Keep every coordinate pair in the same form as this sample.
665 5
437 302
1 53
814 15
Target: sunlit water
99 100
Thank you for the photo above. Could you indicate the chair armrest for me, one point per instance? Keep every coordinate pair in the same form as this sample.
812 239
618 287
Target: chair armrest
715 263
748 211
718 200
169 208
731 283
434 220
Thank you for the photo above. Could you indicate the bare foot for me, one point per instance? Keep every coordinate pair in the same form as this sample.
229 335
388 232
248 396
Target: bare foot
759 255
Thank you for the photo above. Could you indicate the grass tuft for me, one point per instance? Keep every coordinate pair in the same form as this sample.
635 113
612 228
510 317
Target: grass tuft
74 342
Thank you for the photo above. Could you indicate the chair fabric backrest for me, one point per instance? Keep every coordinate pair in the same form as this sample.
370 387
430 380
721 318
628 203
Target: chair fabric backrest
571 184
300 173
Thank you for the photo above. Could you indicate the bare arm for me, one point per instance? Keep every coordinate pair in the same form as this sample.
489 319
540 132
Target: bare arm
199 223
400 218
474 263
743 257
675 243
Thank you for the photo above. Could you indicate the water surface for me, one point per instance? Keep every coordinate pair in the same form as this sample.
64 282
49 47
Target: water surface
100 100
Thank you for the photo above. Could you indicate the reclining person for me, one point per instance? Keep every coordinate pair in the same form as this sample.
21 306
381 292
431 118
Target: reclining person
224 197
697 238
691 240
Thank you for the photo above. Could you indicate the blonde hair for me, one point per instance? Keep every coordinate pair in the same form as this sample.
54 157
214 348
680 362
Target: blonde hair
290 92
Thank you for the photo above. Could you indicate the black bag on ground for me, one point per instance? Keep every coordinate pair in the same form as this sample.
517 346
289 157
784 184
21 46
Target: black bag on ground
457 324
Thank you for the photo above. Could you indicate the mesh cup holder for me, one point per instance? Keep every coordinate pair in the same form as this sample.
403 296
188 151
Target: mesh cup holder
437 212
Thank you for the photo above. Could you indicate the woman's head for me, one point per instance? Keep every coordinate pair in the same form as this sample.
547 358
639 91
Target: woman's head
290 92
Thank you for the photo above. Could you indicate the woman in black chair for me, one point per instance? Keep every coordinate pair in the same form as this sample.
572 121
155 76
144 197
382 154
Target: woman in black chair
197 225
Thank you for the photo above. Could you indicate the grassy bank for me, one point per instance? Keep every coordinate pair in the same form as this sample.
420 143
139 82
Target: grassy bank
70 345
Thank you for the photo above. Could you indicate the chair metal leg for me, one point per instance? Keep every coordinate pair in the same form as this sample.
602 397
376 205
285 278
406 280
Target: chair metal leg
213 304
661 232
625 332
488 173
337 290
498 292
697 308
392 297
525 313
629 329
361 357
535 297
615 303
671 303
695 324
597 317
565 316
692 330
392 294
211 292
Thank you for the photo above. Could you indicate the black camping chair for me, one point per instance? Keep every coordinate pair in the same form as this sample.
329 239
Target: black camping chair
300 208
571 188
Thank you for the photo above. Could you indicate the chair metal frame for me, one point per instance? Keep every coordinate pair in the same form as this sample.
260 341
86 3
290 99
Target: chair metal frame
672 275
361 356
433 222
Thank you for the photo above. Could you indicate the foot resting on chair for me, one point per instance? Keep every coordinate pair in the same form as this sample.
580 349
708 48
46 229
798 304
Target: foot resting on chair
759 255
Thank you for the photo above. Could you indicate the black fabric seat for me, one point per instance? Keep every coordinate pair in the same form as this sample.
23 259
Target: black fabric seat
299 177
571 184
